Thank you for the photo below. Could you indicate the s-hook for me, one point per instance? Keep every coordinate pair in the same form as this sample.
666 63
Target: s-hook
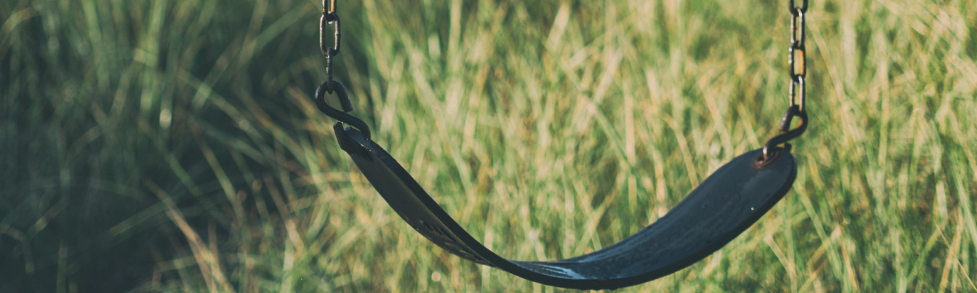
725 204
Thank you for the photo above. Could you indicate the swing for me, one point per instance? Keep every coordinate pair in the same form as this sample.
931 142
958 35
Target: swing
724 205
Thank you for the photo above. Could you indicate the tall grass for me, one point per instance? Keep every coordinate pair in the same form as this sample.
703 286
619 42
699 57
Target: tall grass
173 146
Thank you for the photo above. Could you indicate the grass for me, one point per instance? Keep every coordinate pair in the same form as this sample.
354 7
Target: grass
173 146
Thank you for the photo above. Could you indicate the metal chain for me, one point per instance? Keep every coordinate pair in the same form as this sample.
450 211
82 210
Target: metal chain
796 93
797 60
329 17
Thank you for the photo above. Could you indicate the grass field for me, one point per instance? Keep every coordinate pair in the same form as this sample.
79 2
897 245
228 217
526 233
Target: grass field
173 145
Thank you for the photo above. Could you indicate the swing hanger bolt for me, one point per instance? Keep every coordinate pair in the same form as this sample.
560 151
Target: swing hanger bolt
344 106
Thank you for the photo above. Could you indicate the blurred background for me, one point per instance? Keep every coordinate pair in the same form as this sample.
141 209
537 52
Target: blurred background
174 146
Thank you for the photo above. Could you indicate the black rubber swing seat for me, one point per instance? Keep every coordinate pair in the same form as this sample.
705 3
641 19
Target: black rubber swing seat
726 203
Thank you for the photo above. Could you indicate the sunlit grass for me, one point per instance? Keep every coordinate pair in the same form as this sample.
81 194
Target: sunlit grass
173 145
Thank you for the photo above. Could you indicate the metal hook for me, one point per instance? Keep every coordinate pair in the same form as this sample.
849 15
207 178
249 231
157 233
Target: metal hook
788 133
770 149
341 115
